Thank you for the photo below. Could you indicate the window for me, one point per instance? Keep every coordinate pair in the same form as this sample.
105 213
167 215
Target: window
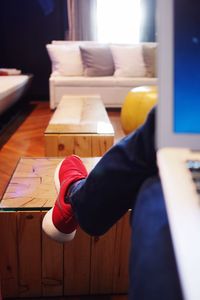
118 21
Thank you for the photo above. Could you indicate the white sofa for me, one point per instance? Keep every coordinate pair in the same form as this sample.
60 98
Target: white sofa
69 76
11 89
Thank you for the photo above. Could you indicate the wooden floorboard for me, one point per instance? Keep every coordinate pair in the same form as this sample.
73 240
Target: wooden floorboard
107 297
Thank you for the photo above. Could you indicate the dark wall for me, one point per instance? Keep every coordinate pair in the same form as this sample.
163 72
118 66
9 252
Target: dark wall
26 26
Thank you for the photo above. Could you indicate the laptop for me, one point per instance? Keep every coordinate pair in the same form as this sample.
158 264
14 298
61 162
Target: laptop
178 132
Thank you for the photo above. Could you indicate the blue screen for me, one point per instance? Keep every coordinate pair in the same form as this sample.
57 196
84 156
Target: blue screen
186 66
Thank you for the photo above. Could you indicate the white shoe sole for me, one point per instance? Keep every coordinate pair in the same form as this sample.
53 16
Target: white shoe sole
49 228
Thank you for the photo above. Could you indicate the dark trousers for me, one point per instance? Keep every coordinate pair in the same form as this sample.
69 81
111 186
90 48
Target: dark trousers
120 181
153 271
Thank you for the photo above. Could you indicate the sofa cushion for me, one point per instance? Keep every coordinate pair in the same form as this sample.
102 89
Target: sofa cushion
11 89
135 81
108 81
97 61
128 60
149 54
105 81
9 85
66 60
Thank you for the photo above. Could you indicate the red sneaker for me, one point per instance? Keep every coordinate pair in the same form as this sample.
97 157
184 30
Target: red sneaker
59 222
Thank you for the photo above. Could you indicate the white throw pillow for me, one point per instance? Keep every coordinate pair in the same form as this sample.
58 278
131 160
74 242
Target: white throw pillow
128 61
66 60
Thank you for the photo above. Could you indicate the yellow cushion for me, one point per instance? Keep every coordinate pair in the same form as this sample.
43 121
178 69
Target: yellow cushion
137 104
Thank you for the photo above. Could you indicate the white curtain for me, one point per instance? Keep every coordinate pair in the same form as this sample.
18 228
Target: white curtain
118 21
82 20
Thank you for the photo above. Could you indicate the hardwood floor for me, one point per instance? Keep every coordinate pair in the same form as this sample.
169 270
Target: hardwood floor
23 136
106 297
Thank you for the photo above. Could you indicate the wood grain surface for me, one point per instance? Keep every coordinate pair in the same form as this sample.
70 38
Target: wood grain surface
80 125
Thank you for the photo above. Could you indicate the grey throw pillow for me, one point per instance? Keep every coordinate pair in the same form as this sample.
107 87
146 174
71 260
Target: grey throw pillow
149 55
97 61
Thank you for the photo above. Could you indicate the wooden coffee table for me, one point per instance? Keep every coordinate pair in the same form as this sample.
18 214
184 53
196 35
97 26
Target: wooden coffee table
80 125
33 265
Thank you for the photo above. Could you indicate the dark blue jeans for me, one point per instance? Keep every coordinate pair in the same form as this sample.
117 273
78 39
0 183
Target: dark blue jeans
153 271
113 187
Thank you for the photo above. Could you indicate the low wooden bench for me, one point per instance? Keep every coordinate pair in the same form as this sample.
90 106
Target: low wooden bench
80 125
33 265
